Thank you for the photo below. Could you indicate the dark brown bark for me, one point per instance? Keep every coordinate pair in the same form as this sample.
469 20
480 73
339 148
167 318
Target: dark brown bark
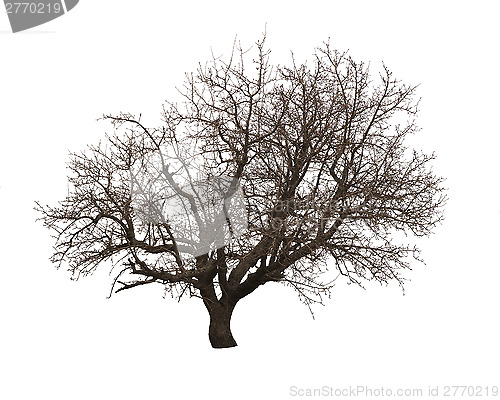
220 311
219 331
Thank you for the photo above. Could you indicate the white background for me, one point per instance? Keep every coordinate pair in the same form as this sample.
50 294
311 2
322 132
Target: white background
61 339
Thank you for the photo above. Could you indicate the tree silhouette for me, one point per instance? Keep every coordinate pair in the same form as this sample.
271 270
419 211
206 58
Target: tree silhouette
263 174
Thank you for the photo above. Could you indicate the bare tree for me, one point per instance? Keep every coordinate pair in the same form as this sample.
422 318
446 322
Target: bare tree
263 174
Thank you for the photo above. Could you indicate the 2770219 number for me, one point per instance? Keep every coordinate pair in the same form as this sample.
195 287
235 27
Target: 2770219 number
470 391
33 8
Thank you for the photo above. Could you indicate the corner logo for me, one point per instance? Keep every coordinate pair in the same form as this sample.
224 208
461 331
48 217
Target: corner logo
26 15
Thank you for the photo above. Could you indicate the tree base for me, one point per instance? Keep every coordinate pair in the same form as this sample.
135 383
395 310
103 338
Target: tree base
224 343
219 332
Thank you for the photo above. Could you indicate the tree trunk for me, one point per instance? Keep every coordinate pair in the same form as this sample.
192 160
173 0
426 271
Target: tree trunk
219 332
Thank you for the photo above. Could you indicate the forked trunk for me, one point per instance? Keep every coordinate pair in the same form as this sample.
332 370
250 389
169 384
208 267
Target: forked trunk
219 331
